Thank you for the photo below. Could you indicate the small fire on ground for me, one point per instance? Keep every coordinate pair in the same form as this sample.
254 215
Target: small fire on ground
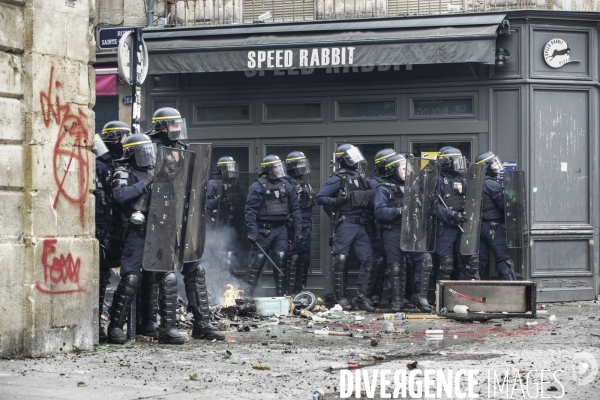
231 295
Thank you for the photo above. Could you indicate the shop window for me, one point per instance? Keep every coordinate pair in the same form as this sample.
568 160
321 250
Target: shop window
222 114
442 108
293 112
366 110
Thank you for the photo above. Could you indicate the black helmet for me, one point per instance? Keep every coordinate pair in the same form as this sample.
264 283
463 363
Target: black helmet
349 156
170 119
395 166
115 132
493 165
100 149
380 158
406 154
141 148
450 158
297 164
227 168
272 166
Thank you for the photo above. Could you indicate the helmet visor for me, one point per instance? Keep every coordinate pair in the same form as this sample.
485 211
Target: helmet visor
402 169
229 170
276 170
99 148
459 163
176 129
115 135
353 156
145 154
494 164
302 167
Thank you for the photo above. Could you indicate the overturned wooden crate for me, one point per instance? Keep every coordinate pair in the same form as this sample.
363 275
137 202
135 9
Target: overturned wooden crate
495 299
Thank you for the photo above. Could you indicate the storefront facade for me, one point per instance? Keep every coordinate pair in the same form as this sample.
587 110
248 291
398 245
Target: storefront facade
414 87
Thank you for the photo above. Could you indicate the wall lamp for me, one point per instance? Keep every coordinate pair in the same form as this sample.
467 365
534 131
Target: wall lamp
501 55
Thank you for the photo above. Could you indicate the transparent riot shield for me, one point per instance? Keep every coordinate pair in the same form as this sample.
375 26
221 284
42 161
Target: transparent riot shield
515 208
419 216
227 245
195 233
469 242
166 226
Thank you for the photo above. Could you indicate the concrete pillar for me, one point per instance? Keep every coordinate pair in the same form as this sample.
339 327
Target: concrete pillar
48 254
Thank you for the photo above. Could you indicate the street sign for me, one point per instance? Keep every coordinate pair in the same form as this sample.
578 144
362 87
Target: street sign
124 58
108 38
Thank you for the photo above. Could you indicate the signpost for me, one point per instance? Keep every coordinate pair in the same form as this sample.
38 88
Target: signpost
132 57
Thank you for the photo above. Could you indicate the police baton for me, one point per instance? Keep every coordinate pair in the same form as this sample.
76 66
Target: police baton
444 204
269 258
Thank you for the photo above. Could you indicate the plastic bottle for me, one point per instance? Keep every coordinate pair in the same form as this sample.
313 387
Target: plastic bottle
458 309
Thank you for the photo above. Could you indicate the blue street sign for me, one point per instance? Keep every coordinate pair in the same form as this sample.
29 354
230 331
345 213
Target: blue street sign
108 38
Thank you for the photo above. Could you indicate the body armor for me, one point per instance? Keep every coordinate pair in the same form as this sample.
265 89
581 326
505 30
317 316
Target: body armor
306 196
488 202
276 201
454 192
355 188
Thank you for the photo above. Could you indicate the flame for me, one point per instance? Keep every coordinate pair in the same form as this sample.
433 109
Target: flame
230 295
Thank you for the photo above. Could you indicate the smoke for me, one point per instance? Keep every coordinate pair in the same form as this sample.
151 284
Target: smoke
223 254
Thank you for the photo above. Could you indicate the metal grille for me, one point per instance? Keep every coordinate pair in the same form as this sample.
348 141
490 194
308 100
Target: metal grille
419 7
281 10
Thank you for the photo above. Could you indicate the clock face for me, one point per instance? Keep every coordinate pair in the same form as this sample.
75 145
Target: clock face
556 53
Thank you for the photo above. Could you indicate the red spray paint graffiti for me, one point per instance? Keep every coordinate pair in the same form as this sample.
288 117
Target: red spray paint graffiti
69 126
61 276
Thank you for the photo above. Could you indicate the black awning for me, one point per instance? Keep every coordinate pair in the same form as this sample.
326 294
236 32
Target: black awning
400 41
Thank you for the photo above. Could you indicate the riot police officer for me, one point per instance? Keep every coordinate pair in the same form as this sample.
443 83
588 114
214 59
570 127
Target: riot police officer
347 198
492 219
168 130
452 189
108 147
225 199
131 188
271 202
297 166
379 257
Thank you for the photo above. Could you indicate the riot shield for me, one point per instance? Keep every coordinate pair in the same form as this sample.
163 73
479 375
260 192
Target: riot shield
515 208
166 226
469 242
227 245
419 216
195 233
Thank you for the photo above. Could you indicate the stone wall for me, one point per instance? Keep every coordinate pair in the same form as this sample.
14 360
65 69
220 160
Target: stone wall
48 254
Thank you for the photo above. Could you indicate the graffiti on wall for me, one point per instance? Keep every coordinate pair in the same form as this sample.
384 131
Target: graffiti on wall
61 273
72 128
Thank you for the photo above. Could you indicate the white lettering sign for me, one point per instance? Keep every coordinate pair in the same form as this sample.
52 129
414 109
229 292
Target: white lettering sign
301 58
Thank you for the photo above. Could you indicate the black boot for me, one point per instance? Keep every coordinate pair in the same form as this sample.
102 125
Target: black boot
405 264
420 292
377 293
446 268
147 322
506 270
253 273
167 332
361 300
280 259
302 268
292 265
483 269
398 276
103 280
197 295
340 276
121 304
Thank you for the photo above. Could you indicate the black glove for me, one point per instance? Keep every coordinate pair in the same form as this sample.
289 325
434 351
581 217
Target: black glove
458 218
338 201
399 211
149 178
298 238
252 237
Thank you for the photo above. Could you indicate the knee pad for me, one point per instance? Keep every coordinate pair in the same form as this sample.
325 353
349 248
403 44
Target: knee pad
447 264
427 263
170 279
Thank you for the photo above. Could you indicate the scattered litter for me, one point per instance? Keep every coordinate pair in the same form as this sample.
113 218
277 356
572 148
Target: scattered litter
570 318
228 354
552 389
261 367
412 365
374 342
531 323
507 319
337 308
331 333
273 319
223 325
359 337
542 312
459 309
310 324
542 306
455 336
386 326
81 384
243 328
359 318
305 313
552 318
434 334
193 376
318 319
318 394
393 317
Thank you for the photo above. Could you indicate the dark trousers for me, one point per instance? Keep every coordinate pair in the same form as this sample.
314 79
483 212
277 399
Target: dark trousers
271 240
497 244
449 244
348 235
